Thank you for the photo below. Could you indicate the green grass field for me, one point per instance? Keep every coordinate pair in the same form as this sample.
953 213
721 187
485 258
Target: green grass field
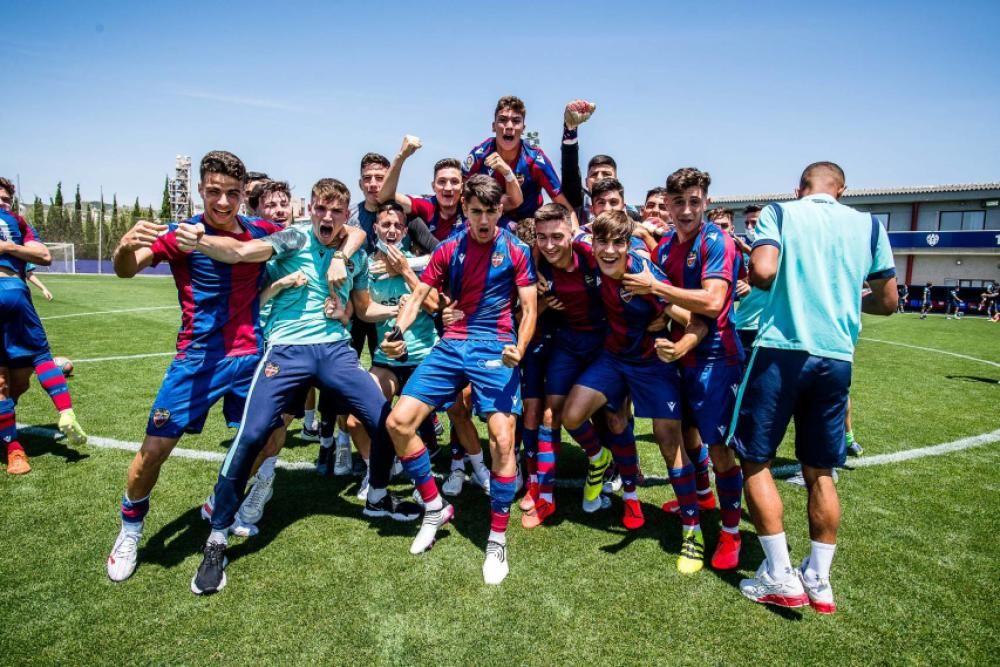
916 574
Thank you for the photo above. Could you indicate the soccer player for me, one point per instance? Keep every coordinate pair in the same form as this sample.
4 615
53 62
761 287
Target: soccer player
218 344
655 214
635 362
954 304
811 254
904 296
702 265
926 301
272 200
481 269
306 347
527 164
608 194
751 214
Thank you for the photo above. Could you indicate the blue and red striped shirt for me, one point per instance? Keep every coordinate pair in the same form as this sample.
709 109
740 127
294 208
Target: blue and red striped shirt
711 253
481 278
629 315
220 303
578 288
13 228
534 171
428 210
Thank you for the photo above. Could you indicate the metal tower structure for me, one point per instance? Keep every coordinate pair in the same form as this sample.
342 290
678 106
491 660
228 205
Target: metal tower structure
180 189
532 138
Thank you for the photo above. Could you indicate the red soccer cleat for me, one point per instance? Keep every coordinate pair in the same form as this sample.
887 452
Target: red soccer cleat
633 518
542 510
705 503
530 497
727 551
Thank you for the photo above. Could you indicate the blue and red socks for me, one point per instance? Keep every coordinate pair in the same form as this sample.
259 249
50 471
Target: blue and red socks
418 467
547 446
626 457
502 489
134 512
586 436
530 438
701 465
729 485
53 381
8 426
682 479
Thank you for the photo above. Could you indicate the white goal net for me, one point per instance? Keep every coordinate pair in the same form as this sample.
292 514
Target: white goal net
63 258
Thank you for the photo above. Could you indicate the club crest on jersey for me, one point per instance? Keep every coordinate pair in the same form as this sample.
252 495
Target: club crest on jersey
591 281
692 257
469 161
271 369
625 295
497 259
160 417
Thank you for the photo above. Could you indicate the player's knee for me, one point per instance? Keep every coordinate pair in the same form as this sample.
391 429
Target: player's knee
573 416
723 458
400 426
155 450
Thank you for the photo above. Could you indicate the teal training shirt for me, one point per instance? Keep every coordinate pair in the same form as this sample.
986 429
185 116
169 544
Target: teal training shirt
748 308
827 251
420 337
297 316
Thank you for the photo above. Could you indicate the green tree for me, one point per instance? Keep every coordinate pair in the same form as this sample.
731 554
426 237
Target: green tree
89 236
148 214
37 216
76 225
165 204
136 210
55 222
111 235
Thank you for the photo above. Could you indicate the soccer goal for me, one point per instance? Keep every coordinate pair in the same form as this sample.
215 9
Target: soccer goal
63 258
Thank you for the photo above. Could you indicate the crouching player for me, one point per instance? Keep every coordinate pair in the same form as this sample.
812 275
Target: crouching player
305 348
633 362
481 268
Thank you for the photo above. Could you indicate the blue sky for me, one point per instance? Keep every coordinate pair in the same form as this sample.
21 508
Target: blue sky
106 94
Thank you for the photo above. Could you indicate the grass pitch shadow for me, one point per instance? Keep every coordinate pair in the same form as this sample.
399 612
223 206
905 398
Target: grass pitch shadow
42 445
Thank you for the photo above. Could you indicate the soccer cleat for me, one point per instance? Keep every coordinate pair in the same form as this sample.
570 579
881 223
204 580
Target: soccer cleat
528 500
433 519
309 434
393 507
595 476
324 462
705 503
692 557
763 588
453 485
252 509
17 462
855 449
242 529
818 590
727 551
612 482
482 478
71 428
342 464
211 575
633 518
397 468
541 511
363 488
495 567
601 503
124 554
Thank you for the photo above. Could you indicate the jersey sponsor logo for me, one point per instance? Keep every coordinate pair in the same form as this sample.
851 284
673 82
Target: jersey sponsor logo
497 259
461 256
722 429
624 295
160 417
671 404
692 258
271 369
933 239
712 236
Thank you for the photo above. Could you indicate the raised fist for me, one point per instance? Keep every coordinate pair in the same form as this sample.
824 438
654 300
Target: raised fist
411 145
578 112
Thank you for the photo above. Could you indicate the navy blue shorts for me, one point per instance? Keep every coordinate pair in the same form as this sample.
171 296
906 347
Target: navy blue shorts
653 384
785 384
194 383
709 393
22 338
454 363
533 368
570 355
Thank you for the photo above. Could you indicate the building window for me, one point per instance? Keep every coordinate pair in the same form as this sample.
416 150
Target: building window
962 221
883 219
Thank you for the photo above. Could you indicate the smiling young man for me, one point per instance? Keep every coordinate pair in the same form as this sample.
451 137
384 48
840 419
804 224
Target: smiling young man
482 269
218 345
272 200
701 263
634 362
306 347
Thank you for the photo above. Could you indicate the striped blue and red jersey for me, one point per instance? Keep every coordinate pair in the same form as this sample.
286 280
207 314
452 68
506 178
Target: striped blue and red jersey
629 315
220 303
482 279
578 288
428 210
710 254
534 171
13 228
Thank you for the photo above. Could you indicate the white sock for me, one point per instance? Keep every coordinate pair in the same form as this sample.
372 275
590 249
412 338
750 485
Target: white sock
776 551
435 504
630 495
310 420
367 465
595 457
458 464
132 526
325 443
500 538
266 469
477 462
218 537
532 479
375 495
820 560
344 439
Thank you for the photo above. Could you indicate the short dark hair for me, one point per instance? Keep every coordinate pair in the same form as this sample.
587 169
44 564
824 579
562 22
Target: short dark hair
601 160
551 212
510 102
606 185
483 188
830 169
374 158
8 185
257 176
392 205
688 177
753 208
225 163
262 190
526 230
613 226
447 163
717 213
656 192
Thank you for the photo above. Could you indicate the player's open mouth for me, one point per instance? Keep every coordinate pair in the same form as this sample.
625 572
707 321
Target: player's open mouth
508 136
326 232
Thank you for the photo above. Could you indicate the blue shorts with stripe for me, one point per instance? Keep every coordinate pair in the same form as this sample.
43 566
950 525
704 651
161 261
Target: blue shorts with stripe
453 363
570 355
709 392
194 383
22 338
654 385
782 385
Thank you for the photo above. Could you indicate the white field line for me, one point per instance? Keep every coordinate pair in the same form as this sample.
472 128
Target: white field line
931 349
107 312
779 472
123 357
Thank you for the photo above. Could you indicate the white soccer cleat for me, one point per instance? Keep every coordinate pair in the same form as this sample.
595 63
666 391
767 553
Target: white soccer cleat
602 502
242 529
453 485
252 509
433 519
495 567
482 478
124 555
786 592
818 590
342 464
363 489
612 485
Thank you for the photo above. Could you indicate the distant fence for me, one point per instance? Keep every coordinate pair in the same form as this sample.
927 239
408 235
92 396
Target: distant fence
92 266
